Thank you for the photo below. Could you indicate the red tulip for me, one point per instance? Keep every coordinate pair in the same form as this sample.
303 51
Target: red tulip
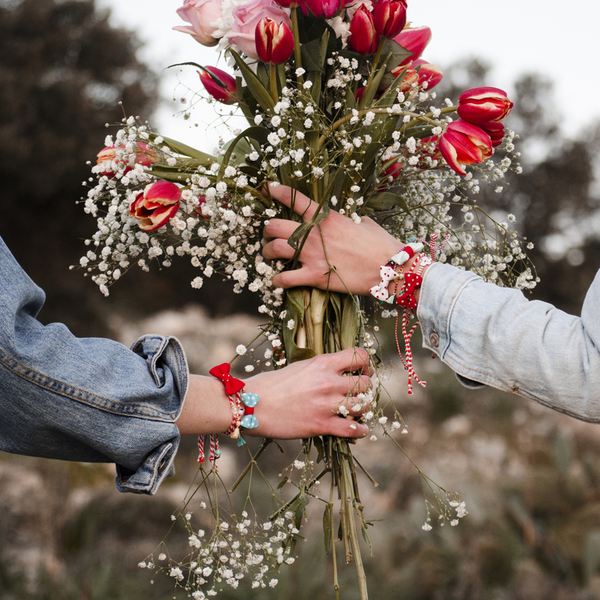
427 73
108 159
464 144
364 38
289 3
389 17
156 205
420 72
323 8
220 85
483 104
495 130
414 40
274 43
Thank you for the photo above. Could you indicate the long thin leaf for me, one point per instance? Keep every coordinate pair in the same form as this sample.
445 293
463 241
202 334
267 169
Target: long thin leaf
305 228
186 150
254 84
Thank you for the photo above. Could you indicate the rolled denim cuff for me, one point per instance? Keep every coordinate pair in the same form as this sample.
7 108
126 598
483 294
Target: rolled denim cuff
160 353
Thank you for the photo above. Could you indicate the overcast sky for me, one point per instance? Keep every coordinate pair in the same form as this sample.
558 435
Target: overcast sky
558 39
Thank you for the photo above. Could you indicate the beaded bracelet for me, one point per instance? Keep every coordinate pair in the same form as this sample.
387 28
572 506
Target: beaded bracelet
242 412
388 273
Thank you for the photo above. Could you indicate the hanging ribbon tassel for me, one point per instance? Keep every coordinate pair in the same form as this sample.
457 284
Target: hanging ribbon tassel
200 448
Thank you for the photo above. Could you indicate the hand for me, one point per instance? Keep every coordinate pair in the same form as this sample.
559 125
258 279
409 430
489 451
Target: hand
303 399
338 255
299 401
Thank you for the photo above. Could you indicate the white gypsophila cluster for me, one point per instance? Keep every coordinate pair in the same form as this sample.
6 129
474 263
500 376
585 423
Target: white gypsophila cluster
237 549
215 234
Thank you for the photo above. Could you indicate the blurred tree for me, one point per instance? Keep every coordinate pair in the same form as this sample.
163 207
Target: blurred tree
555 199
63 70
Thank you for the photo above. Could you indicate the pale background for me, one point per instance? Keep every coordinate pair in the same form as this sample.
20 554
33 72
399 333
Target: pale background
558 39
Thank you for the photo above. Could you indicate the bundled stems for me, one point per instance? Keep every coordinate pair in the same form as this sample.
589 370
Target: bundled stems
338 455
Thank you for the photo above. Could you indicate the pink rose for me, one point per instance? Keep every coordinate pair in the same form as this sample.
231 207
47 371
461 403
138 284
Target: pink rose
247 17
202 16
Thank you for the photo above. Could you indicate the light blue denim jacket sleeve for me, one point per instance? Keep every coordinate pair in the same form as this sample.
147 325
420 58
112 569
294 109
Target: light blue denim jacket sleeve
495 336
86 399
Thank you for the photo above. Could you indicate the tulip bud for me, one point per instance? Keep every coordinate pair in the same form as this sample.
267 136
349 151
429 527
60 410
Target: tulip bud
364 38
156 205
115 158
389 17
428 73
414 40
323 8
464 144
483 104
220 85
495 130
274 43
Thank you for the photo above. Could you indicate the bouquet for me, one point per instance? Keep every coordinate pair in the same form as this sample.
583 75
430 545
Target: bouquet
340 107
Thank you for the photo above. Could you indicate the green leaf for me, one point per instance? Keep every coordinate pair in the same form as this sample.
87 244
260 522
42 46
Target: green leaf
257 133
397 54
257 89
320 448
186 150
282 482
372 88
295 298
295 310
175 176
350 322
311 56
305 228
387 201
327 528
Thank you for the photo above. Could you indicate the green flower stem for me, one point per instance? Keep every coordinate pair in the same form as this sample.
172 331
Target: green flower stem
381 111
373 69
263 447
297 52
348 503
273 82
426 117
308 328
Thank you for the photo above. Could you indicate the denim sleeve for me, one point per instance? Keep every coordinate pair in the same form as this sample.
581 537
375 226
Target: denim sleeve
494 336
86 399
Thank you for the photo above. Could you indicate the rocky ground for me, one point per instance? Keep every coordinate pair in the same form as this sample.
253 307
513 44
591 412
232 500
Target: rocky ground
530 478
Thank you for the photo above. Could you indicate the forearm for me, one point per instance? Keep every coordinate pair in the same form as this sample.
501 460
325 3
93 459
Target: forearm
495 336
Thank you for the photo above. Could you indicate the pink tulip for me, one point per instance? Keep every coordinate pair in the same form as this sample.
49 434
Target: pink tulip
483 104
156 205
414 40
274 43
202 16
464 144
323 8
108 159
495 130
389 17
364 38
224 90
245 19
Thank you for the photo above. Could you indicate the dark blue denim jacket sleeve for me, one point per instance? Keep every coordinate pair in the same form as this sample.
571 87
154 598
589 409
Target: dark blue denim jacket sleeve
86 399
